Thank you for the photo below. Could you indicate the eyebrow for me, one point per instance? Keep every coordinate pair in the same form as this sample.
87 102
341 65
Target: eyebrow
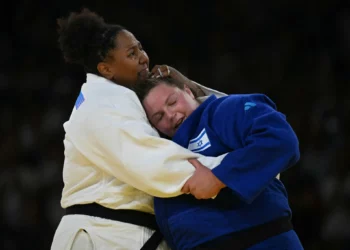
133 45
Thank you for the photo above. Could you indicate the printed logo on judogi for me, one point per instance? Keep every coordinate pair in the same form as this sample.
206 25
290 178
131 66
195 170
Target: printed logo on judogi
249 105
200 143
79 100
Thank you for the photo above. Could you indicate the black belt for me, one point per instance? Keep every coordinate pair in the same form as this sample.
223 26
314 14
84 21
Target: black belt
128 216
246 238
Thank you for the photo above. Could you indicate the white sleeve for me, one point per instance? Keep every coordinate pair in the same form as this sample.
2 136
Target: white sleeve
128 148
209 91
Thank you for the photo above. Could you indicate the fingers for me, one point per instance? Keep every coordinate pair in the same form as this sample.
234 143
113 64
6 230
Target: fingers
195 193
154 69
198 194
186 188
196 164
160 71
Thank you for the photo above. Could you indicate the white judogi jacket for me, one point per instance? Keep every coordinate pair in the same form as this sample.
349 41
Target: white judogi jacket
114 157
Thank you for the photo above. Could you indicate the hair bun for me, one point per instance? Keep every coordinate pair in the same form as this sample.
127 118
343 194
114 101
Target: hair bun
80 35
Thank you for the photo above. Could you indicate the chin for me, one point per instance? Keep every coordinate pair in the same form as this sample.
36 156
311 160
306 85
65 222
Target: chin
142 77
164 135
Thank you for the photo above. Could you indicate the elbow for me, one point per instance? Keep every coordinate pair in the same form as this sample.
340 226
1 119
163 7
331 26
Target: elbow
291 148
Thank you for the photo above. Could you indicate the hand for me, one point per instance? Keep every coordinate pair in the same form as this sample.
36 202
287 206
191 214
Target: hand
203 184
165 70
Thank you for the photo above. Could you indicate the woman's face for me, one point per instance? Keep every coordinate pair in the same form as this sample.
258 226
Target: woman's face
168 106
128 63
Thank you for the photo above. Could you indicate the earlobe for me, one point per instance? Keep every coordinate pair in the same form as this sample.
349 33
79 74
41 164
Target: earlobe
104 70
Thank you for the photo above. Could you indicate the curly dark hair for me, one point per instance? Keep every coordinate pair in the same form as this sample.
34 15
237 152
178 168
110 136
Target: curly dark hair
86 39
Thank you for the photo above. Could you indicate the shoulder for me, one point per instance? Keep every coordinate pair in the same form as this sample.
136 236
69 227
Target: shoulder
244 101
101 92
235 106
113 107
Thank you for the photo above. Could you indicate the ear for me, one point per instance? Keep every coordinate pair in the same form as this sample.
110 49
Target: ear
105 70
189 91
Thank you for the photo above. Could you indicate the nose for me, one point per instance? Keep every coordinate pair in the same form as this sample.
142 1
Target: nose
143 59
170 115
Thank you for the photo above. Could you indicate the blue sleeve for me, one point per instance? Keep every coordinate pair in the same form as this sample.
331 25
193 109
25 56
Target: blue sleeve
269 143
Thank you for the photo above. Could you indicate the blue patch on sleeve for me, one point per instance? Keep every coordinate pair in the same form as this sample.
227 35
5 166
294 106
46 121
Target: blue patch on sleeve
79 100
249 105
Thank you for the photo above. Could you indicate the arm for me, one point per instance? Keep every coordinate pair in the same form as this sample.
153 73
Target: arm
270 144
204 91
123 144
197 89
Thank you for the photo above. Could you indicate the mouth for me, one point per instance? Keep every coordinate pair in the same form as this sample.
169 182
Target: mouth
144 73
179 122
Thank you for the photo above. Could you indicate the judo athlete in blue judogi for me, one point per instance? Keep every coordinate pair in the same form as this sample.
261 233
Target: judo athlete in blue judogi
251 211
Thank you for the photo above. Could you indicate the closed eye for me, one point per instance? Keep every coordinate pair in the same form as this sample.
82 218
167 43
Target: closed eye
158 117
172 100
172 103
132 53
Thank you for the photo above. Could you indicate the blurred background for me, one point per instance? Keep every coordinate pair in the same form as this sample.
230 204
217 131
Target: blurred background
295 51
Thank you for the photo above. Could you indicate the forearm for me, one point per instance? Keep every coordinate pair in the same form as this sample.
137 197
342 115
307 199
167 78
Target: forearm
201 90
151 164
196 89
247 171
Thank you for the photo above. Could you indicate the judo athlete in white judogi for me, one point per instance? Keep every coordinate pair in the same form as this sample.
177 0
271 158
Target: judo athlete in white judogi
115 161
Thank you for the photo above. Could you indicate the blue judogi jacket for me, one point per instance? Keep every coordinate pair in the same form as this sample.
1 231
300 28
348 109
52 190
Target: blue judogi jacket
260 144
